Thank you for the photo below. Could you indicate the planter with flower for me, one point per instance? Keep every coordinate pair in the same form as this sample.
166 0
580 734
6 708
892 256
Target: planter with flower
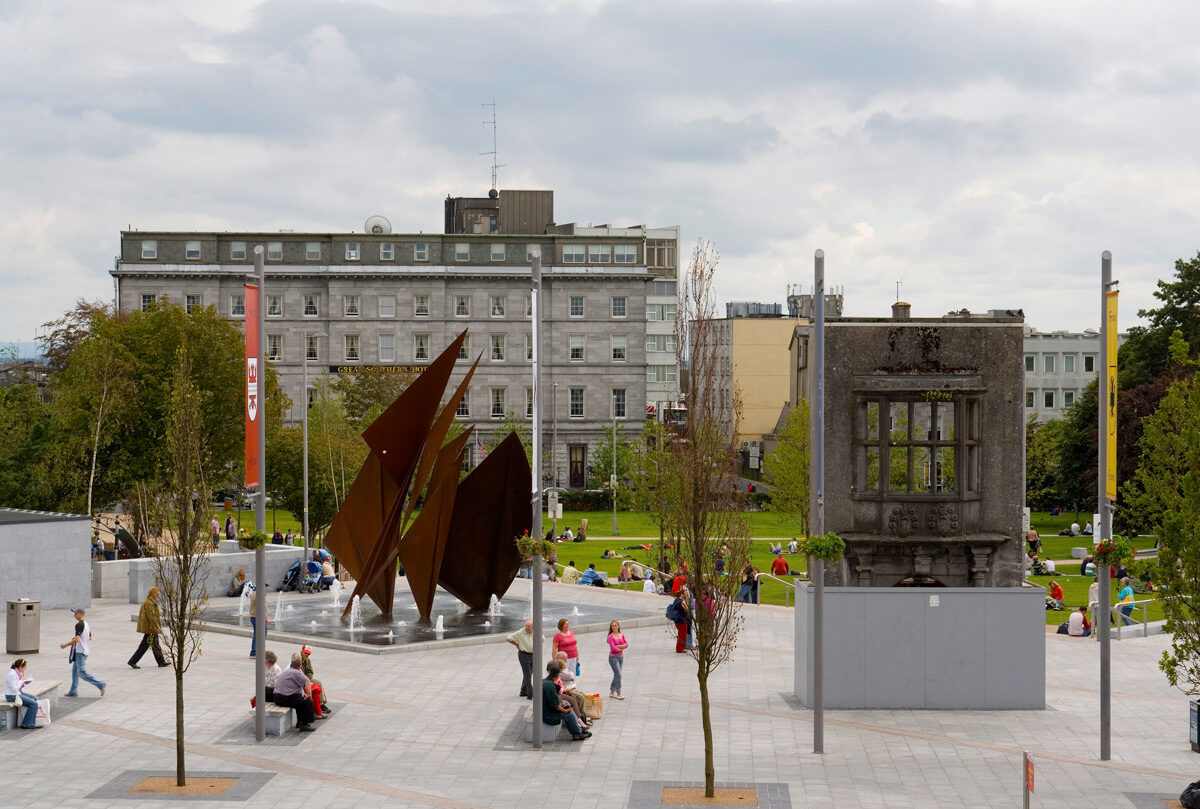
253 540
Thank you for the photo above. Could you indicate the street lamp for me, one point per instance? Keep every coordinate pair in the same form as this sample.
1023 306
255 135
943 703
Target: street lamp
554 452
316 336
613 479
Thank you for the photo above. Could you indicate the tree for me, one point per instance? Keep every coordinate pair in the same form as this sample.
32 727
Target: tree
1042 441
181 567
512 424
1075 478
368 393
703 517
602 466
652 488
787 468
1146 352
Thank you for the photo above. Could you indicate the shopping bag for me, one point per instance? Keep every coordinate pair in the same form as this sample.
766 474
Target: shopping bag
43 713
593 706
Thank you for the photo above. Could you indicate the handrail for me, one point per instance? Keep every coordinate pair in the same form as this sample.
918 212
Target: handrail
1115 610
786 585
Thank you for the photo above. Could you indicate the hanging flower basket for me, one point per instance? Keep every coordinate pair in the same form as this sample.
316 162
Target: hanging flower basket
1113 551
829 548
253 540
530 547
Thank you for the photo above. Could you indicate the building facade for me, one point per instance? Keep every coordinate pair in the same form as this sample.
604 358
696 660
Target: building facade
1059 366
386 302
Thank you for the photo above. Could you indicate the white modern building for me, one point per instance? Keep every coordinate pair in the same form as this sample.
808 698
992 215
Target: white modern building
1059 366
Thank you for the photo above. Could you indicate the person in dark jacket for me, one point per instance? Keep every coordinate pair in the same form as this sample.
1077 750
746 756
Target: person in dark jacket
555 711
150 625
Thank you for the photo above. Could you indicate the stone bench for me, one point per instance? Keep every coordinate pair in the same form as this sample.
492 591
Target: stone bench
44 689
278 719
550 733
1079 553
10 714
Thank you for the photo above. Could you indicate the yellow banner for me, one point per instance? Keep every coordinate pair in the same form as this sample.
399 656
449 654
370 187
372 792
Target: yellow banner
1110 462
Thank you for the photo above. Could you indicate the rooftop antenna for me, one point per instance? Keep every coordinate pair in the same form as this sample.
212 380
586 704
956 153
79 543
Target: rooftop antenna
898 285
494 153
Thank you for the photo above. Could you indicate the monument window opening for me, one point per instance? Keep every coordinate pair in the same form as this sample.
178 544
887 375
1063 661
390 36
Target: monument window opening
921 444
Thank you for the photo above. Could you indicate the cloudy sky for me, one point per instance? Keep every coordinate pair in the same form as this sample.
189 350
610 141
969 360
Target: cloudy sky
981 153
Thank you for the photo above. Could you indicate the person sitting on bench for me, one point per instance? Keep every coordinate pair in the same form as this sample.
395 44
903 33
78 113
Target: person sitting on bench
293 690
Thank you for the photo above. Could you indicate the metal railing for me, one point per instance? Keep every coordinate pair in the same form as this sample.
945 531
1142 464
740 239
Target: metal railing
789 588
1121 618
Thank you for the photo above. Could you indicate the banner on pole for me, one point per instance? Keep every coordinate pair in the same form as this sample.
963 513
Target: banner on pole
1110 461
1028 773
253 402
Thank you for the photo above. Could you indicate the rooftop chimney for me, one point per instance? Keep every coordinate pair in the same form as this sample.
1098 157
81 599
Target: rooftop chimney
901 310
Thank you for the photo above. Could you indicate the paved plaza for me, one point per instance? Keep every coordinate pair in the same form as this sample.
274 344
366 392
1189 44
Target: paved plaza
442 728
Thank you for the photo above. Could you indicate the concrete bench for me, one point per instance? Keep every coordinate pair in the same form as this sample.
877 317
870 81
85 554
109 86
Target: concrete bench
44 689
278 719
1079 553
10 714
550 733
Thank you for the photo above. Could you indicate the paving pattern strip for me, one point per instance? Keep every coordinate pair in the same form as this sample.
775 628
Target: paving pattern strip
280 767
934 737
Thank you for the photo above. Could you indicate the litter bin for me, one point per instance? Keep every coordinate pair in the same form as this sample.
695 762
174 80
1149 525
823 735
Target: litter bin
24 629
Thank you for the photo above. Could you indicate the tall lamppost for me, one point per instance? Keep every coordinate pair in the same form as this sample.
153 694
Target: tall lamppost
613 480
316 336
535 525
554 452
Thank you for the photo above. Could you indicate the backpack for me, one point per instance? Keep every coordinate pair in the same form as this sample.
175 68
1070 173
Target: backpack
1190 799
674 614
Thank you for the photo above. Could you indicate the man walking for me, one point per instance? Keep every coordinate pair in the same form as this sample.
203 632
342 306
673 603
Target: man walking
150 625
81 647
523 640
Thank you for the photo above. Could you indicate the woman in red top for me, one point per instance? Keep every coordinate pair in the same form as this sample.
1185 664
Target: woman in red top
1056 591
564 641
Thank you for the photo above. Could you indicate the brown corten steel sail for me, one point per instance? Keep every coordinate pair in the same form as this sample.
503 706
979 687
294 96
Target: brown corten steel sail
476 520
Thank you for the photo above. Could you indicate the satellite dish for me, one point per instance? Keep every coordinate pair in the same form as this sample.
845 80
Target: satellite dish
377 224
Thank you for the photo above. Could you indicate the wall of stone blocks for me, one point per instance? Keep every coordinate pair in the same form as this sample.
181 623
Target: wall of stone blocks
47 561
221 569
110 579
978 649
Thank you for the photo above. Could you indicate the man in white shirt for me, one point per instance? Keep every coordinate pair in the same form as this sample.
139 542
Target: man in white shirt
81 647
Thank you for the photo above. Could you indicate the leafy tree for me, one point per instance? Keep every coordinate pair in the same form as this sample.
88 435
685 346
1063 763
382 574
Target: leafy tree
1042 445
1075 478
652 488
1146 351
24 422
602 466
285 478
367 394
512 424
787 468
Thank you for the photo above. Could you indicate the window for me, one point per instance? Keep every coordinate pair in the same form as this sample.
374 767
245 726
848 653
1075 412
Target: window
310 306
274 251
576 306
529 248
191 251
237 305
660 342
599 254
908 444
150 249
462 251
661 373
660 311
497 252
618 306
310 347
352 251
497 306
274 346
387 348
420 346
529 346
1049 363
312 251
387 251
618 348
575 343
1029 363
350 303
660 253
498 404
462 305
387 305
618 402
625 254
1029 399
421 251
274 306
464 406
420 306
497 347
237 251
464 350
529 305
1068 398
529 403
351 346
1069 363
192 303
1089 363
1048 398
147 301
573 254
576 411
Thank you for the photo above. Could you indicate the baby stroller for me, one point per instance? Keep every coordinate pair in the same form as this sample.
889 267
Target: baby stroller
291 579
311 580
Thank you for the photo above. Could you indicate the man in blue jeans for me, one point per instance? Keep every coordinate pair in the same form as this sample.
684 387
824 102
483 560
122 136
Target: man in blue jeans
81 647
554 710
254 622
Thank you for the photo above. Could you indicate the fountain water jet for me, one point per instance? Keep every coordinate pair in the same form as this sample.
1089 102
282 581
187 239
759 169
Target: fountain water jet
356 621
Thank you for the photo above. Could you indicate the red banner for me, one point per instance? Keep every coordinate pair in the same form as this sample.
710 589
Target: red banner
252 387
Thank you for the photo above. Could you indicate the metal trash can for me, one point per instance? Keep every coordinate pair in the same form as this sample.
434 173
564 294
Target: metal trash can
23 633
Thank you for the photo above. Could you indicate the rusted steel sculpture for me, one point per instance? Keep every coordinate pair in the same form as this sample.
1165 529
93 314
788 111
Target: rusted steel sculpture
372 529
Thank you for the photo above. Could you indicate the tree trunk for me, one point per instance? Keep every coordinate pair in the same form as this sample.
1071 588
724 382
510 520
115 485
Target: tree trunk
95 452
180 771
710 771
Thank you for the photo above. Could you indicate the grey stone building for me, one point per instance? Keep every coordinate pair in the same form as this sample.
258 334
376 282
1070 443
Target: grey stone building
924 446
391 302
1059 365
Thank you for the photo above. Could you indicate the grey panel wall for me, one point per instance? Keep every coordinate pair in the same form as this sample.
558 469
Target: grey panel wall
221 568
976 649
47 561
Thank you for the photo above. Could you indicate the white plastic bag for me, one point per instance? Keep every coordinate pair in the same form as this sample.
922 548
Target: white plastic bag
43 713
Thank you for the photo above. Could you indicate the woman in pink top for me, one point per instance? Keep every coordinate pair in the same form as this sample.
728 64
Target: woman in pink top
616 657
564 641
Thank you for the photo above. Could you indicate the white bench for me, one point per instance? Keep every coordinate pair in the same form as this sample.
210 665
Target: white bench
278 719
44 689
10 714
550 733
1079 553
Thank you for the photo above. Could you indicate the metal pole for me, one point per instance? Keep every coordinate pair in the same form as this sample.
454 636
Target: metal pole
535 525
304 430
1104 530
554 453
260 520
1025 779
819 521
614 469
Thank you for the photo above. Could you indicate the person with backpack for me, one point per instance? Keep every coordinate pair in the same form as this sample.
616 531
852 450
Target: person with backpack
677 613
